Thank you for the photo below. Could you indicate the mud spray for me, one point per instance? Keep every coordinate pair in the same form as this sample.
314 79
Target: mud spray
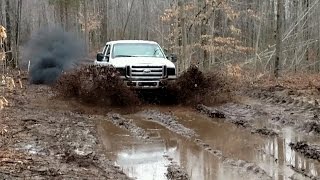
103 86
96 85
52 51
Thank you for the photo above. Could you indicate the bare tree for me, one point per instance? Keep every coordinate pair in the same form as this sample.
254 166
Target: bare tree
210 33
278 38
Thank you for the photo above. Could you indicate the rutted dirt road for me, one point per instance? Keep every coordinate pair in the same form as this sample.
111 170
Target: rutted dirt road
264 134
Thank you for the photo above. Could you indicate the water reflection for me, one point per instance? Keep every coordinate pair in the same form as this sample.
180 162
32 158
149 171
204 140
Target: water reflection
146 161
279 151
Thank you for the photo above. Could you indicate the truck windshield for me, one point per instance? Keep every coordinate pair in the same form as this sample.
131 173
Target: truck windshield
137 50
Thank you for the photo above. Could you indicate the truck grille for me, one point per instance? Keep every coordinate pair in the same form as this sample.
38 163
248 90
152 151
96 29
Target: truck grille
146 72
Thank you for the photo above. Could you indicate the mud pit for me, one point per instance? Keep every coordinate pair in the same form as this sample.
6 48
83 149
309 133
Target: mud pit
241 154
257 136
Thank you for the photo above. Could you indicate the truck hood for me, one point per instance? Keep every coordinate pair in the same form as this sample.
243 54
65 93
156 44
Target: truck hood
150 61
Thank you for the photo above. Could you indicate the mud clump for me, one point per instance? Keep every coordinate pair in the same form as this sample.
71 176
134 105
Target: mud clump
311 127
169 122
96 85
264 131
82 160
194 87
309 151
241 123
212 113
176 173
129 125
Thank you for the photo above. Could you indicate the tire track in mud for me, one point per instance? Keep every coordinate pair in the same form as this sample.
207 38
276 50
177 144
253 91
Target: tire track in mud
128 125
57 144
238 120
289 111
283 110
174 171
169 121
304 173
245 120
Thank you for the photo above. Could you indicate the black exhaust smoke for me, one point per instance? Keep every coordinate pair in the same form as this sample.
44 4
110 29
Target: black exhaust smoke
52 51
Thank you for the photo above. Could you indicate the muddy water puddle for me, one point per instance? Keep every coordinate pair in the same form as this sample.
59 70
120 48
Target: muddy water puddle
137 158
149 159
273 154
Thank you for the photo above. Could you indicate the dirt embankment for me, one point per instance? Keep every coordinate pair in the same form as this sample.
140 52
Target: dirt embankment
42 143
290 108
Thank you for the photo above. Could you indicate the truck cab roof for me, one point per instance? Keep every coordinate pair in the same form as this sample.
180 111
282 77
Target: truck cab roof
131 41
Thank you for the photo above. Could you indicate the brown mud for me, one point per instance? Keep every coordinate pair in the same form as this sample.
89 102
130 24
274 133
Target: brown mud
129 125
169 122
176 173
253 168
304 173
252 137
41 143
242 155
264 131
309 151
311 127
146 160
194 87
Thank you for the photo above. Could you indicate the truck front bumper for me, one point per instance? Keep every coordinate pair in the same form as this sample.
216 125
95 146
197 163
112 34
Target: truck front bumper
148 84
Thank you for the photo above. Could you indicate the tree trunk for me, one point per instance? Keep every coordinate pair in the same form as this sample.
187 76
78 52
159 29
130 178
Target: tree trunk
8 47
17 38
318 44
183 44
86 33
278 38
1 14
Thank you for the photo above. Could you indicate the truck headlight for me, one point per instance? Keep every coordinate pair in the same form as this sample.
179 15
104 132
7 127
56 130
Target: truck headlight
171 71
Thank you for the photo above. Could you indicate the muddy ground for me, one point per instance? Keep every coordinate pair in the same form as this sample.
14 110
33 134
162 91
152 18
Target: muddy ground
266 132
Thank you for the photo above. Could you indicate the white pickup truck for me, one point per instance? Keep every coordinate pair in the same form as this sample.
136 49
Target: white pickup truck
141 64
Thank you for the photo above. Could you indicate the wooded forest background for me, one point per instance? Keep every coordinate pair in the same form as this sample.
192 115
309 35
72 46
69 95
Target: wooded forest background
259 35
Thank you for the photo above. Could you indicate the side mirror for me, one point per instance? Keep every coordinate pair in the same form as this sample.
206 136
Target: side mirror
173 58
100 57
